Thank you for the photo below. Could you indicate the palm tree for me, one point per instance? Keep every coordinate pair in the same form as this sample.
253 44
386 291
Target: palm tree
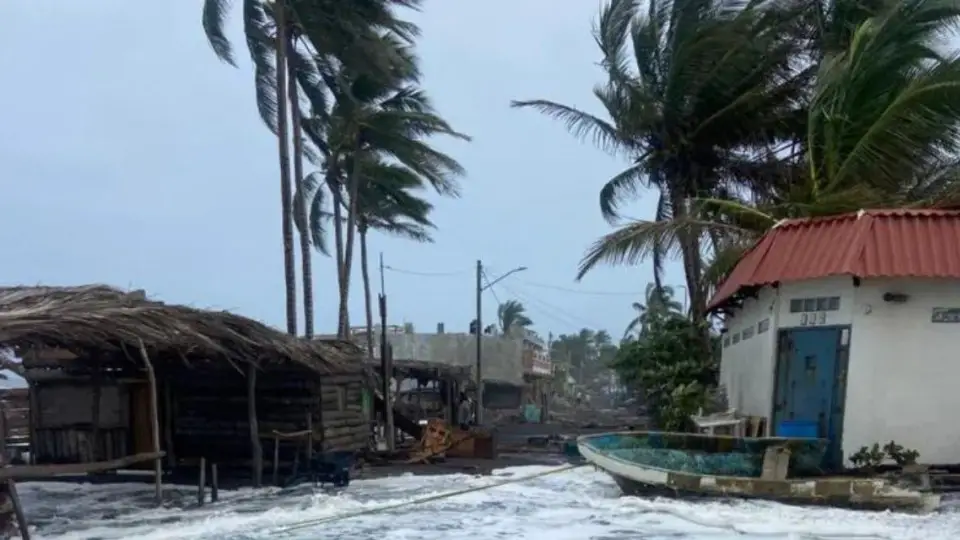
348 31
657 302
708 83
881 126
512 316
373 121
385 203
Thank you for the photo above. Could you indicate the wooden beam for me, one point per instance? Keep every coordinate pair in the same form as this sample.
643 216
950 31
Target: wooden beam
255 447
19 472
154 420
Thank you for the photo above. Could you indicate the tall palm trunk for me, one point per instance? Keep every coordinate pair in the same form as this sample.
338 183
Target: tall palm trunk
353 188
334 184
367 300
286 197
301 209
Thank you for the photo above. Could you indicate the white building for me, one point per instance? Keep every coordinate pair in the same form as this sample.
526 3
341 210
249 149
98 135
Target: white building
851 322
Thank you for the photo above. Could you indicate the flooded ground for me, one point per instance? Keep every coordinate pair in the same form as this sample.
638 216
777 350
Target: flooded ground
579 504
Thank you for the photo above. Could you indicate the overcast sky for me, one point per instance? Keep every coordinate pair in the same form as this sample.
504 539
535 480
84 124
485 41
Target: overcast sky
130 155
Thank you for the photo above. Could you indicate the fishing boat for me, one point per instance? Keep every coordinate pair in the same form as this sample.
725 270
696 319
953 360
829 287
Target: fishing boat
687 464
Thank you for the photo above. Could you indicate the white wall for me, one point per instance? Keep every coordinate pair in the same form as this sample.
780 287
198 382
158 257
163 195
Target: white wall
903 381
904 370
746 367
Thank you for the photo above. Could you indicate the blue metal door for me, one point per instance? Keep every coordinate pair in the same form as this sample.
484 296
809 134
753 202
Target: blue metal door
810 387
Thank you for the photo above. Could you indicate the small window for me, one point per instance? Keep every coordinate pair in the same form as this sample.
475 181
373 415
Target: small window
823 304
809 304
796 305
726 342
763 326
748 333
736 338
833 303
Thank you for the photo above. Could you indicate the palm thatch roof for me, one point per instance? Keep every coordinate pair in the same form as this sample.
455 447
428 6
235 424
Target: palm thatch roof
99 317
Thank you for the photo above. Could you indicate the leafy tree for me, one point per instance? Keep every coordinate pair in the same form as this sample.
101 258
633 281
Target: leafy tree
671 368
657 302
512 316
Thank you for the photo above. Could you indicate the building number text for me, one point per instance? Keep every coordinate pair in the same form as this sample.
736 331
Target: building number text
815 318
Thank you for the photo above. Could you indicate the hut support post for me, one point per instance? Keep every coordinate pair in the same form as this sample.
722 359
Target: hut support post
18 509
309 436
276 459
256 449
168 424
155 421
95 414
202 482
214 483
34 421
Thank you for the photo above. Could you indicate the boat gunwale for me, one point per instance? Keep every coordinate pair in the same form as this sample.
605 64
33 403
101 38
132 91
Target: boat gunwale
582 440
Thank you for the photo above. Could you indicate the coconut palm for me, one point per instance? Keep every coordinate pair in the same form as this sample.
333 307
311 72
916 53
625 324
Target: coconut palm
512 316
302 31
881 131
372 122
386 203
691 88
656 302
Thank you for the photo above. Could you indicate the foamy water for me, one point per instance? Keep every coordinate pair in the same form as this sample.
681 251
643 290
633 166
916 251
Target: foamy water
579 504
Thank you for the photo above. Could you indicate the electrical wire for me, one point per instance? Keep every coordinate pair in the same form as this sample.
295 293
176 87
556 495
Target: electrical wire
550 310
424 274
581 291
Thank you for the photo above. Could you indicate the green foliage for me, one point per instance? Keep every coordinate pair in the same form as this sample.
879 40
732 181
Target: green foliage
672 368
744 114
869 458
512 316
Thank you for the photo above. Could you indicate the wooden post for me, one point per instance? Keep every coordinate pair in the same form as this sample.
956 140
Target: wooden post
168 424
95 414
255 447
214 483
276 459
34 400
18 510
310 436
202 482
155 420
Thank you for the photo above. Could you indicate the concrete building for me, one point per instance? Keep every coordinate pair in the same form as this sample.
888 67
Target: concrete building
852 323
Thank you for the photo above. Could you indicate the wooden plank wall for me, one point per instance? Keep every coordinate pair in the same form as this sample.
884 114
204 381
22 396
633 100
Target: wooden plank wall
64 422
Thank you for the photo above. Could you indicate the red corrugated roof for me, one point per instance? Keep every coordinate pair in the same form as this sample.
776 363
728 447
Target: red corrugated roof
869 243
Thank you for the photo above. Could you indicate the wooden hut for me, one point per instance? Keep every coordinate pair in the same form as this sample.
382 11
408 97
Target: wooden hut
112 374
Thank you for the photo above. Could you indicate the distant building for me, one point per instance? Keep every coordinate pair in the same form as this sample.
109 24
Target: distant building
536 356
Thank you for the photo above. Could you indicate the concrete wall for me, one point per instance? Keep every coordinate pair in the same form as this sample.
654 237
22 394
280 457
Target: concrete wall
502 359
902 371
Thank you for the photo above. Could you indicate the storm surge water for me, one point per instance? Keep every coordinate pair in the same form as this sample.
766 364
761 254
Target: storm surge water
579 504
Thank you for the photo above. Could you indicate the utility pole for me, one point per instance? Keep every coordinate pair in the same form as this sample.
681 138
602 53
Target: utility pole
479 403
480 289
386 365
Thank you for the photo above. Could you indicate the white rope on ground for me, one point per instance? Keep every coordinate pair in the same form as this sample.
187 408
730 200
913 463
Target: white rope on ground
320 521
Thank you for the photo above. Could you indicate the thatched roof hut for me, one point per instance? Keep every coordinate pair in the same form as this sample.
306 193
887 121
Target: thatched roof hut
223 382
103 318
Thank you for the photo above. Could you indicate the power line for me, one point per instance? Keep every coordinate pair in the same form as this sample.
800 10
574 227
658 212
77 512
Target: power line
424 274
551 311
490 287
581 291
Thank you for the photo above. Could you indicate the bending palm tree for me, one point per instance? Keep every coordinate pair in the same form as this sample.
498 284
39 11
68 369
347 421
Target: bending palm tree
705 83
513 317
372 121
882 126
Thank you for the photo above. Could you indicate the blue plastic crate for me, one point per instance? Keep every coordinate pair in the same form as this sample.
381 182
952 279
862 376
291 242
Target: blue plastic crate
798 429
